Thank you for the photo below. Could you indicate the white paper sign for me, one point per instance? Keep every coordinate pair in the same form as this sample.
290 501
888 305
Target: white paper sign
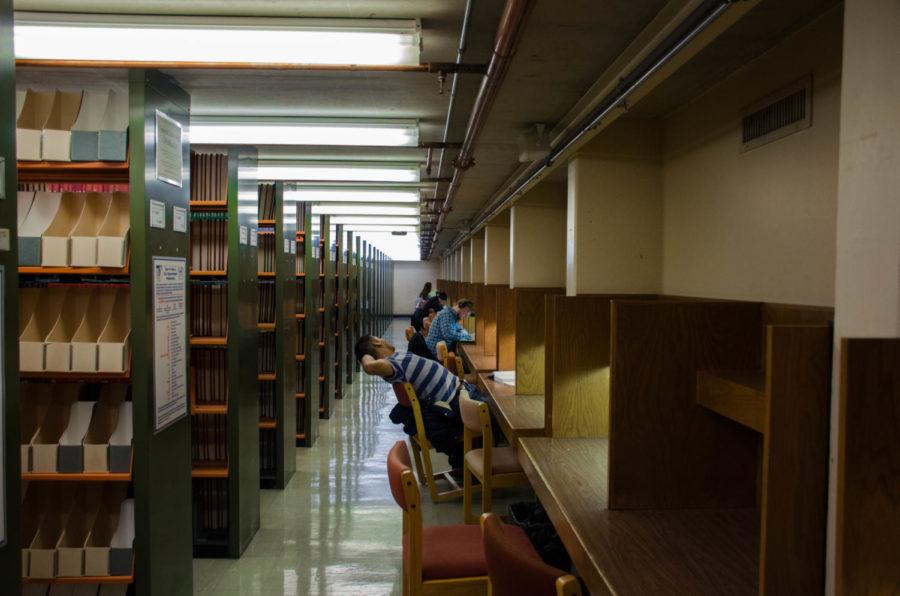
157 215
254 234
287 246
169 340
169 165
179 219
243 234
2 177
4 238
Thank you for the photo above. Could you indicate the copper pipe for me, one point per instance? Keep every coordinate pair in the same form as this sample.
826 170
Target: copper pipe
509 32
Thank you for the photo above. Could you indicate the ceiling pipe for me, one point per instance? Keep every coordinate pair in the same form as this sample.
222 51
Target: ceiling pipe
509 32
699 20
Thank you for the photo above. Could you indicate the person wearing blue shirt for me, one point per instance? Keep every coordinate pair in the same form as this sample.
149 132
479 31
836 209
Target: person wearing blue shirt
447 326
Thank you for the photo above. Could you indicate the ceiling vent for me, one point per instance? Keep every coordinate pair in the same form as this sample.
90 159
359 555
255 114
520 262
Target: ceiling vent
781 114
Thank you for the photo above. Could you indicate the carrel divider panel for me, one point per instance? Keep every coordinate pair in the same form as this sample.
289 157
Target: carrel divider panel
666 451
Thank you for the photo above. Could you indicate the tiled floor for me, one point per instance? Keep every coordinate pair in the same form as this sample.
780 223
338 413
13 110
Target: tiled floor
335 529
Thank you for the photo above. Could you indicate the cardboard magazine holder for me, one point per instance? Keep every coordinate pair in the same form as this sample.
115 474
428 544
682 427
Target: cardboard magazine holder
98 556
56 139
58 356
43 560
84 235
104 422
113 141
24 199
84 342
121 552
112 347
112 237
40 216
70 548
45 444
33 339
35 401
86 130
121 439
55 239
70 455
33 116
34 504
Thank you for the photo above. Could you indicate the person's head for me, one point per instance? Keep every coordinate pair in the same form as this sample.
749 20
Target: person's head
426 290
463 308
373 346
442 296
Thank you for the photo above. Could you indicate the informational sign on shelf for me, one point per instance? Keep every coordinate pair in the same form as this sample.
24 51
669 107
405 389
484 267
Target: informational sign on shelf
169 340
244 235
157 214
169 163
254 234
179 219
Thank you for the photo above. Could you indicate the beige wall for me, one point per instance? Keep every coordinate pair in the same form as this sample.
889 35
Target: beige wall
465 262
867 300
496 254
614 215
537 238
476 245
758 225
409 277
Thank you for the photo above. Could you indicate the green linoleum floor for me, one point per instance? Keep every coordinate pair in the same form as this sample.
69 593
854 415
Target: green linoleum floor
335 529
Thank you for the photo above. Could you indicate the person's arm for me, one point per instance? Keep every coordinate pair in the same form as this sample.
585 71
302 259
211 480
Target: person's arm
380 368
458 333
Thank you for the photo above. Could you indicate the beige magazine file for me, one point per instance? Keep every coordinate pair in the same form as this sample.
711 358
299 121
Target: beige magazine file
33 337
42 553
35 400
85 342
104 423
112 237
113 345
56 136
40 216
84 235
70 547
58 356
33 115
45 443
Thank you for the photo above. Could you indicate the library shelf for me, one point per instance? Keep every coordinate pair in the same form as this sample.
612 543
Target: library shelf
300 316
77 477
210 409
209 273
301 275
267 222
82 579
321 344
110 271
321 379
266 326
265 377
266 274
208 341
75 172
209 472
208 205
268 424
69 377
300 395
301 436
300 357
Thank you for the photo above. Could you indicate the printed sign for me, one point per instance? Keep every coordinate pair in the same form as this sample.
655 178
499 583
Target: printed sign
169 340
169 164
243 230
179 219
254 240
157 214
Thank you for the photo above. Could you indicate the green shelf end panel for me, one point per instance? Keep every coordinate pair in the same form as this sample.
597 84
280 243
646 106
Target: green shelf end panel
339 315
285 337
326 312
307 305
162 459
10 473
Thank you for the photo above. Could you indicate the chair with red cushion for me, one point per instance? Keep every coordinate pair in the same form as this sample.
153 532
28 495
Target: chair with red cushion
438 559
515 570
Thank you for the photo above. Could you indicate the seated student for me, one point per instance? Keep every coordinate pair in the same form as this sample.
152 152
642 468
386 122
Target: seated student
421 299
436 303
447 326
436 387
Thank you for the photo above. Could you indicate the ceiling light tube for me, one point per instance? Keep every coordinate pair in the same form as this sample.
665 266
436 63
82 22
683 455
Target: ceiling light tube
381 220
193 40
222 130
350 195
336 171
364 209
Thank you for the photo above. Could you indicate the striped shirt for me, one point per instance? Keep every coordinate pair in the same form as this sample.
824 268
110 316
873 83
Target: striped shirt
446 328
433 383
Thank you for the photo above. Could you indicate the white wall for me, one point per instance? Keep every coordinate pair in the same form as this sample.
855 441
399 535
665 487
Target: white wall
758 225
409 277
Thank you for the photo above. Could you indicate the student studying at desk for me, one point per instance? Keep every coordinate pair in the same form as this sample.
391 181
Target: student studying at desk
447 326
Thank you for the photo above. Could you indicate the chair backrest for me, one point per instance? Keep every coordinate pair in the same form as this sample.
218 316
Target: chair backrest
399 472
451 361
409 332
476 418
513 572
402 391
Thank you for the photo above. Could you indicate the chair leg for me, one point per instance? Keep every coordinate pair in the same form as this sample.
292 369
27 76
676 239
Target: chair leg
429 473
486 495
467 495
417 458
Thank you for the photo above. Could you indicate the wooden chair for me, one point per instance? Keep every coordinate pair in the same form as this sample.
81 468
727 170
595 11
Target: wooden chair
450 360
494 467
409 331
421 449
446 560
514 570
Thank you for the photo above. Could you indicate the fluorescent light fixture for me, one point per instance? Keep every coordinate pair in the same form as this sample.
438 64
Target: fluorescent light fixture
216 40
350 195
360 229
383 220
398 248
337 172
363 210
226 130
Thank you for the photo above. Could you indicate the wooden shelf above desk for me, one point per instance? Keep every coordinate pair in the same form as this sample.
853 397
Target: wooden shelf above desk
636 552
738 395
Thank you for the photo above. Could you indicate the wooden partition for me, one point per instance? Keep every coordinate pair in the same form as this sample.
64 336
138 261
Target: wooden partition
506 328
868 499
529 339
487 308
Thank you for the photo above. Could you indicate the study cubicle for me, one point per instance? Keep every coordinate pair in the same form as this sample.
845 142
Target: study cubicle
677 444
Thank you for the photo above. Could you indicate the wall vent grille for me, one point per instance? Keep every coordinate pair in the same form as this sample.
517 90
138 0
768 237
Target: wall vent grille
781 114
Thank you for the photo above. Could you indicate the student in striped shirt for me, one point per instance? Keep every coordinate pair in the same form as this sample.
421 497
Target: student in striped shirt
436 387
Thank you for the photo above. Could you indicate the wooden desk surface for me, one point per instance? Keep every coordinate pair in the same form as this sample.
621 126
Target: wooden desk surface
474 356
638 552
518 415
